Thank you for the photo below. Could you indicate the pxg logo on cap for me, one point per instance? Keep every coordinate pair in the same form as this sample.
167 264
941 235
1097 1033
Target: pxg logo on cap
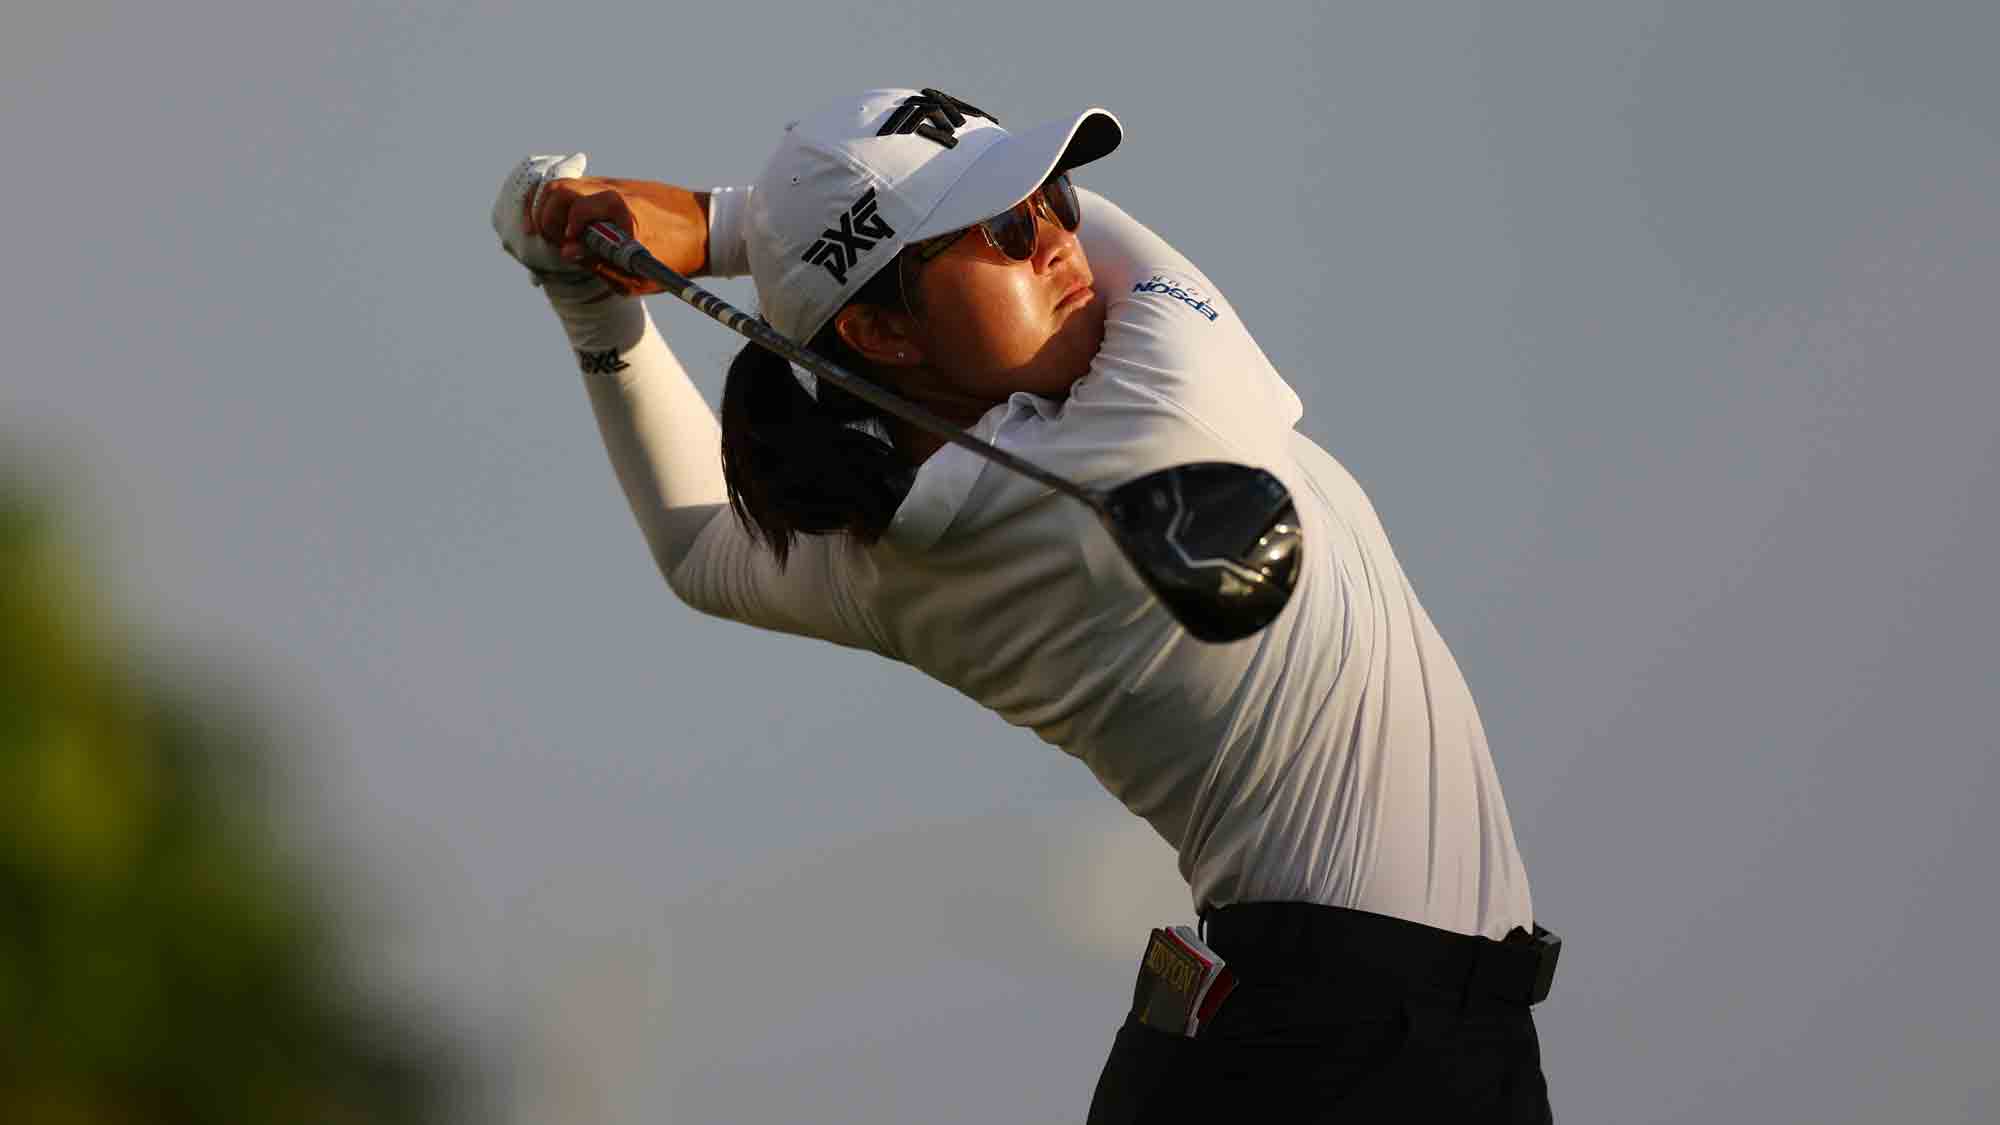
860 229
931 114
850 185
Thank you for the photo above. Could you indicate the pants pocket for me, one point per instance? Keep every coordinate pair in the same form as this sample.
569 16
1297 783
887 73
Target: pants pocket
1286 1013
1152 1076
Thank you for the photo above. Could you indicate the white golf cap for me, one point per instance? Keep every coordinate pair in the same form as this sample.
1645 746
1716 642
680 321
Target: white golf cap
850 186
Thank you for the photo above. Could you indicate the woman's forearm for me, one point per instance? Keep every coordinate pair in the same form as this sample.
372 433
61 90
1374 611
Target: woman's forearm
663 441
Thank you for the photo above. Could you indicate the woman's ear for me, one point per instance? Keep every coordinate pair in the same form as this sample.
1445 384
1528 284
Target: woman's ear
884 337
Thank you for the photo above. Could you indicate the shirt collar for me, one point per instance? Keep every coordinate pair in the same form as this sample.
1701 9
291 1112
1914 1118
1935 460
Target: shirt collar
945 479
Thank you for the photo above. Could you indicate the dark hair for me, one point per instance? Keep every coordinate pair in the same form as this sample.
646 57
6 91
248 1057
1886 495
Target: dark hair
796 465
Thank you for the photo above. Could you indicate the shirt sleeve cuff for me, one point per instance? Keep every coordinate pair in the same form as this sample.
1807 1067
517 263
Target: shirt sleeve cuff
728 253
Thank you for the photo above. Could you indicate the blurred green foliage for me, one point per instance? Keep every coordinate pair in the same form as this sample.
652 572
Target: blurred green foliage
162 959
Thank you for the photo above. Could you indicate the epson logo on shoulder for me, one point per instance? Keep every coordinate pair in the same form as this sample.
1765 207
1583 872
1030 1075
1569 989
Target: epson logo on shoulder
860 229
1179 290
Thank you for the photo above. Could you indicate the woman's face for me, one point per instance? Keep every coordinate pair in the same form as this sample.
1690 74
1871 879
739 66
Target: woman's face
988 325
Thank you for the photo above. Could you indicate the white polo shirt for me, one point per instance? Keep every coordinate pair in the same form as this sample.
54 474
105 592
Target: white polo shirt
1335 757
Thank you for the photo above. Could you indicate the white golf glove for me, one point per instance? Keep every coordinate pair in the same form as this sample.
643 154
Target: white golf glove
563 280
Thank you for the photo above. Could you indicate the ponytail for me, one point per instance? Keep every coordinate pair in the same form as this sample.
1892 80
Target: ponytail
798 465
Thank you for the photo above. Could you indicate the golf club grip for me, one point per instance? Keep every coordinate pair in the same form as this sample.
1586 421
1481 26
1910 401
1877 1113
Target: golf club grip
630 256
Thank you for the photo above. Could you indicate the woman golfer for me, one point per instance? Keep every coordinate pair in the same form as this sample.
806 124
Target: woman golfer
1326 782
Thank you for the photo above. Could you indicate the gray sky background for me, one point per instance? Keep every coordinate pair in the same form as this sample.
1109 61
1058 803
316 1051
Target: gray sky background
1663 336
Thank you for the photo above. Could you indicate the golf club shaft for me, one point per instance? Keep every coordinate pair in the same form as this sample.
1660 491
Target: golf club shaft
629 256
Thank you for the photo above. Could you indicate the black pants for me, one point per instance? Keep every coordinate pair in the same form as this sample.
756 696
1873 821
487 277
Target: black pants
1339 1016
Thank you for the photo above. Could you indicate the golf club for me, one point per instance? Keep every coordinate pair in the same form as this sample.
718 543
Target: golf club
1217 542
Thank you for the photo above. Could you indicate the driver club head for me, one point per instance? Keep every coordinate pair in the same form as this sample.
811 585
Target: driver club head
1218 543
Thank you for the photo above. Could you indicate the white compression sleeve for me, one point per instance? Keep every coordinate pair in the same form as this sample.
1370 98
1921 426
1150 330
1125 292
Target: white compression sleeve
664 442
666 448
728 253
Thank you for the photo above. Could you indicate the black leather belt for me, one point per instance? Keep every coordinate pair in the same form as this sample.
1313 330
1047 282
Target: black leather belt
1307 939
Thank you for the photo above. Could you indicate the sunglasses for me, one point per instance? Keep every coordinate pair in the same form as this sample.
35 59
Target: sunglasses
1012 232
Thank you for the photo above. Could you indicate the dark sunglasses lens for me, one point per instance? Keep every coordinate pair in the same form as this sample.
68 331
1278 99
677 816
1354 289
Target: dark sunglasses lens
1014 230
1060 195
